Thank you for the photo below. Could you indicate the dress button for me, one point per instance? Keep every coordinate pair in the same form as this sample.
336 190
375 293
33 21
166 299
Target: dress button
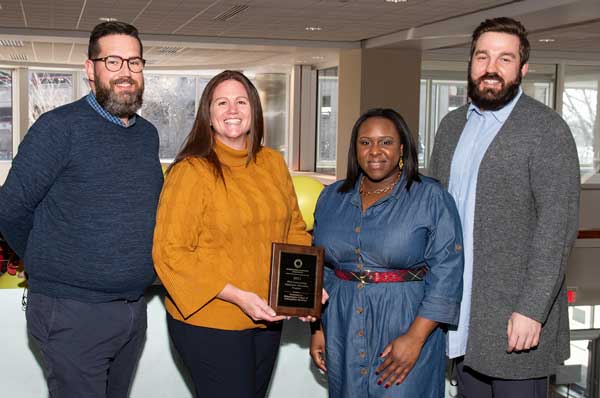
360 266
362 354
357 230
361 285
357 250
360 333
359 310
363 371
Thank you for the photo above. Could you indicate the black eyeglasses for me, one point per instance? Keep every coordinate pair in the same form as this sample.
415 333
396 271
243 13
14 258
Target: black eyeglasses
114 63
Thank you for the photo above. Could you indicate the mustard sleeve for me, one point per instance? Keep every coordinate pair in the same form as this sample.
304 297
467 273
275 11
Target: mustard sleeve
192 274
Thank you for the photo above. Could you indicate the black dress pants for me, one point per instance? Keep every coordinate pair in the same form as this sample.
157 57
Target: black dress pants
88 350
226 363
472 384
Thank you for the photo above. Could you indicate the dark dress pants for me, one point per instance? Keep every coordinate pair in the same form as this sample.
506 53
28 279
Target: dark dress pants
227 363
88 350
472 384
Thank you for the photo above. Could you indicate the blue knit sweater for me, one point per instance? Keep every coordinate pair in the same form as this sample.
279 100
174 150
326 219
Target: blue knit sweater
79 205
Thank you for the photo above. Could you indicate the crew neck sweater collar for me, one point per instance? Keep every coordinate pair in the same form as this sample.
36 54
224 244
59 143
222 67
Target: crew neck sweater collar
230 156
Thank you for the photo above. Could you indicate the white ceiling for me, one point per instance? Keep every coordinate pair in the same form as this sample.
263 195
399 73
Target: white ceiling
237 33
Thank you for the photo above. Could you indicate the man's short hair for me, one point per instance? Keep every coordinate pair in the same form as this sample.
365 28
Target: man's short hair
504 25
111 28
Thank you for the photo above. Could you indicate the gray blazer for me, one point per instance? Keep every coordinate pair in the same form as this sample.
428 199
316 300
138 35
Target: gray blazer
526 218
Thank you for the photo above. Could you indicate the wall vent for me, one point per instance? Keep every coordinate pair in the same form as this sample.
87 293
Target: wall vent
18 57
11 43
168 50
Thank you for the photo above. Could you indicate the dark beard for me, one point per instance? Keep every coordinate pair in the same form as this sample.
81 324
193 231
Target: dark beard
488 99
121 105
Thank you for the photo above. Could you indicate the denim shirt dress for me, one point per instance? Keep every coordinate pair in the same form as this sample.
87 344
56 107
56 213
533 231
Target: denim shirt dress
405 229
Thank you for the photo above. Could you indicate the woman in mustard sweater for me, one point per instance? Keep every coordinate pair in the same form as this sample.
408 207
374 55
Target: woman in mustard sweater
226 198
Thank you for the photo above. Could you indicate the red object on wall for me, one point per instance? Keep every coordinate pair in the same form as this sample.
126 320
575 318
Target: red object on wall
571 296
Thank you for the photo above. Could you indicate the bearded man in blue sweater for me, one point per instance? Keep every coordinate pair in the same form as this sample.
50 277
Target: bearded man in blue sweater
79 207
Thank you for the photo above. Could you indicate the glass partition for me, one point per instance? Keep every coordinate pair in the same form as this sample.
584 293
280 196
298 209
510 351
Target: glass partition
327 110
48 90
273 89
580 110
443 91
170 104
6 111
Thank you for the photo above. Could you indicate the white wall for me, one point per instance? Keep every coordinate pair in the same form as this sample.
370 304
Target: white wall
159 373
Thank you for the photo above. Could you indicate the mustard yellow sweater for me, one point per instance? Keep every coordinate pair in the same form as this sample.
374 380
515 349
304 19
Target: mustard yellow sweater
209 234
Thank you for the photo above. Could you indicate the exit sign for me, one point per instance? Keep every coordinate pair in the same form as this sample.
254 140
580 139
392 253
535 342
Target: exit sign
571 295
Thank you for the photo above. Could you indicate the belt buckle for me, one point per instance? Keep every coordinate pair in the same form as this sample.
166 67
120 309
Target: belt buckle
361 277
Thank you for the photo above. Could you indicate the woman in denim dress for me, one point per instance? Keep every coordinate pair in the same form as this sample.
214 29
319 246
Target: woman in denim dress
394 262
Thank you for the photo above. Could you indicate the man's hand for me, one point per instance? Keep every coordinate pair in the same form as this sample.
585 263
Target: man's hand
523 333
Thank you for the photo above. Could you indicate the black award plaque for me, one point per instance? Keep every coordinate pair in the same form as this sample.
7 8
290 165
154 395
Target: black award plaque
296 280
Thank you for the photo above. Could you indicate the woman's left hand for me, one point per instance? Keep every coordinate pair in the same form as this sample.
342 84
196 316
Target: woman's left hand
402 353
400 357
324 298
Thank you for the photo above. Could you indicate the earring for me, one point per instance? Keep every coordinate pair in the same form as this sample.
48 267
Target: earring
401 162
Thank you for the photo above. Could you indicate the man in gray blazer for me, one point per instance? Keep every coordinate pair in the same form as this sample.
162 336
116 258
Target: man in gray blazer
511 165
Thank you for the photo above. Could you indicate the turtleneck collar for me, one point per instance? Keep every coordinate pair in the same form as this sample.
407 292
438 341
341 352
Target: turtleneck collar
229 156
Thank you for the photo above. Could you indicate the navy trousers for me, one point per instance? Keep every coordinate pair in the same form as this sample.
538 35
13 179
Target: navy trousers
227 363
472 384
88 350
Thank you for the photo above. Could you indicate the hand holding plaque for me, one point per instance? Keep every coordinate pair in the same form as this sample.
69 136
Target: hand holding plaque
296 280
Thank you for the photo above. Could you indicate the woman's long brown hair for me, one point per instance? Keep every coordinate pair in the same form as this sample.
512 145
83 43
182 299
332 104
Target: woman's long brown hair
200 142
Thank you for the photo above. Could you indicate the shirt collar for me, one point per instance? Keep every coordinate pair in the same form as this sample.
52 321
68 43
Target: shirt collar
91 99
501 114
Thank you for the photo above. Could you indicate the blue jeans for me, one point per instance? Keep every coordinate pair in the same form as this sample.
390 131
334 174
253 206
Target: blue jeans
87 349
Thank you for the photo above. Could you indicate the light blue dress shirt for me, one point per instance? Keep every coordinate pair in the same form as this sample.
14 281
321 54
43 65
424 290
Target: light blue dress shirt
479 132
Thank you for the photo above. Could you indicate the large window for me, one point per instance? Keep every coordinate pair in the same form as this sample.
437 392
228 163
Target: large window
584 322
445 90
6 142
48 90
273 89
439 98
580 110
327 106
170 104
171 101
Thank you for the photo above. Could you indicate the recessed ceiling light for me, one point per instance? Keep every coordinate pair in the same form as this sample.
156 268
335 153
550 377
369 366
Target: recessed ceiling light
318 58
546 40
107 19
313 28
396 1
